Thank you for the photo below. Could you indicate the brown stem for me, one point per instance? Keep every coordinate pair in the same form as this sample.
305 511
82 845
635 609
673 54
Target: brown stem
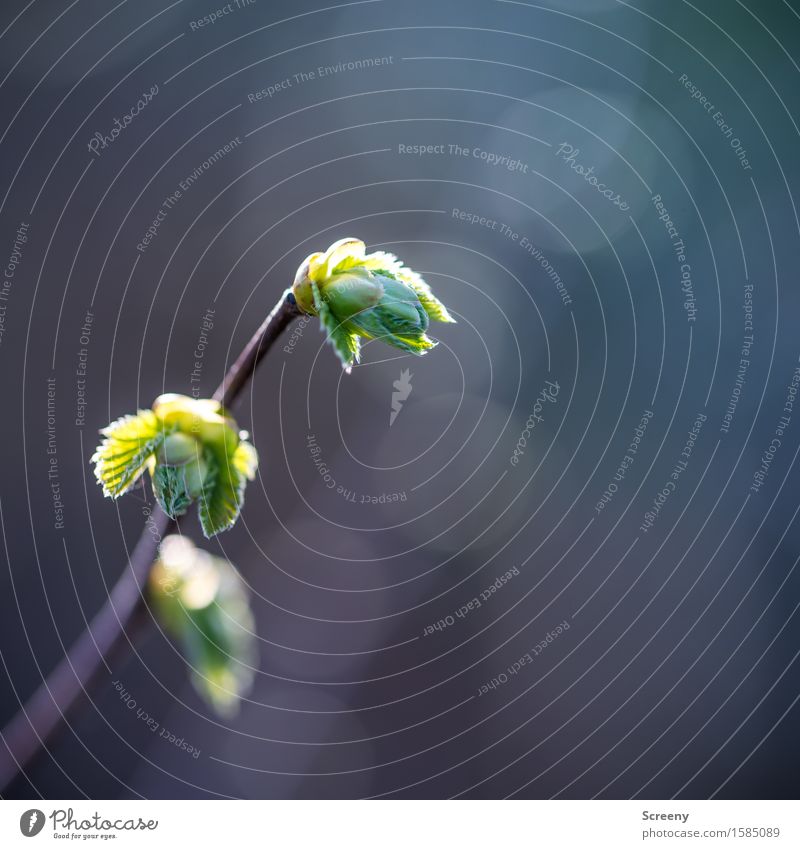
29 730
242 370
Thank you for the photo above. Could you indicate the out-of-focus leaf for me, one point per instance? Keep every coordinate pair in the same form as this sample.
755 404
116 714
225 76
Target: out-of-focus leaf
245 458
202 601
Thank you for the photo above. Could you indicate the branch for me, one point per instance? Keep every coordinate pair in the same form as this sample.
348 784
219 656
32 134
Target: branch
29 730
285 311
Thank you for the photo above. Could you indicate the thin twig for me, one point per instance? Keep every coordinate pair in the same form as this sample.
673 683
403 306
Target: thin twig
29 730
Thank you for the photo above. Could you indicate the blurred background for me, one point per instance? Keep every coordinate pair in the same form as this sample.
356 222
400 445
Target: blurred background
591 592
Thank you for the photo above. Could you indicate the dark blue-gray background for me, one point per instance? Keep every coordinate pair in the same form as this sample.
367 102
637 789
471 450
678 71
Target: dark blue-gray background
678 672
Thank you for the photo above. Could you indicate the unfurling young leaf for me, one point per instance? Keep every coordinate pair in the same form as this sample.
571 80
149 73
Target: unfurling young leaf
169 486
372 296
129 443
222 496
203 602
194 452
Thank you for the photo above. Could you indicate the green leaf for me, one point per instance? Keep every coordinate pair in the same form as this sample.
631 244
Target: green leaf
203 602
383 325
401 308
245 459
169 486
351 293
389 266
378 262
204 419
341 255
417 344
222 497
121 458
435 309
220 645
344 341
